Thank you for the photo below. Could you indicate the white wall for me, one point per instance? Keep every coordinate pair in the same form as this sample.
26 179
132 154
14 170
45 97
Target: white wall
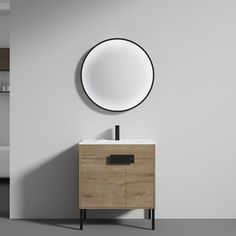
190 112
4 78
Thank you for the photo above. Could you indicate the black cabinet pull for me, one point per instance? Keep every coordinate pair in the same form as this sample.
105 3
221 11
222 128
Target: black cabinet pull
120 159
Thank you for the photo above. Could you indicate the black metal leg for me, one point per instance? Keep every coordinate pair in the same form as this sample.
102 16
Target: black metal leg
81 219
85 214
149 214
153 219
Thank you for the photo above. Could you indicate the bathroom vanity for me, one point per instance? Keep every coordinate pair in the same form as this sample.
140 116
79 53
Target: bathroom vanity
117 175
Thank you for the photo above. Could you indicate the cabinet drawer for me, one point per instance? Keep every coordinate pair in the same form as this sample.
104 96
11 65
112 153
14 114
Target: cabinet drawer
103 151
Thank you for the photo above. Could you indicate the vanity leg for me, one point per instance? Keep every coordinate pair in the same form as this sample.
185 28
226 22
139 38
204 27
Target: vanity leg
149 214
81 219
153 219
85 214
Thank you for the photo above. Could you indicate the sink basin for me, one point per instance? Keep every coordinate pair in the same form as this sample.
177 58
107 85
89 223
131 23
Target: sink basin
123 141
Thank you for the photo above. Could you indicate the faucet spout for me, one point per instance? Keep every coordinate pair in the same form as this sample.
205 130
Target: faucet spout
117 132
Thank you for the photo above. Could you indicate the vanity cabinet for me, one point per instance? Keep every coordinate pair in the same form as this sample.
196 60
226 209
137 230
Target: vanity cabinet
117 175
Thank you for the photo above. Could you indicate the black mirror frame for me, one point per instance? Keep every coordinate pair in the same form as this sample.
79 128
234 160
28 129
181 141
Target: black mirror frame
153 74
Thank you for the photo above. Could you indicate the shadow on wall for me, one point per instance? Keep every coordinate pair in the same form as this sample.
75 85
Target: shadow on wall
52 189
107 134
4 13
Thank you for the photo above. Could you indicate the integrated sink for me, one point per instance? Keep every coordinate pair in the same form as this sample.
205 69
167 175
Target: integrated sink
117 140
123 141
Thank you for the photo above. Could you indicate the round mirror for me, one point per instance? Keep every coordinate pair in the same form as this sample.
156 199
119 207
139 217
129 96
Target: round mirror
117 74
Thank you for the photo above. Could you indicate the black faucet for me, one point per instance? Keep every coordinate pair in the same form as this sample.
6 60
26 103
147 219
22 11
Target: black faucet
117 132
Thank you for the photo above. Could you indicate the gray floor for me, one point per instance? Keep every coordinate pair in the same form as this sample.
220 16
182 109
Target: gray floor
108 227
124 227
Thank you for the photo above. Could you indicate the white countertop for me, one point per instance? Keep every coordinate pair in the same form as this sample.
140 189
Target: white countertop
122 141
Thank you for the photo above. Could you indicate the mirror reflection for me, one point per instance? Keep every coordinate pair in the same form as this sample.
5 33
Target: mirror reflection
117 74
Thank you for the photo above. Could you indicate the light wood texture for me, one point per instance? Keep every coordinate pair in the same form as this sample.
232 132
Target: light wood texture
101 151
140 184
104 186
4 59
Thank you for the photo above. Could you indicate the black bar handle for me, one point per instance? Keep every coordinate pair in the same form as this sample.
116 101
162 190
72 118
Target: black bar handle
120 159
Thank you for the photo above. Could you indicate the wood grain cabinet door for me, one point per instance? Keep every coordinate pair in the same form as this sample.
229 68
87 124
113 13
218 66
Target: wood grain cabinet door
140 184
102 185
106 186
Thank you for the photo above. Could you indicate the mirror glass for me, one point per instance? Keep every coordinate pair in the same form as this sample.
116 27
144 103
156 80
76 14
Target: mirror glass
117 74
